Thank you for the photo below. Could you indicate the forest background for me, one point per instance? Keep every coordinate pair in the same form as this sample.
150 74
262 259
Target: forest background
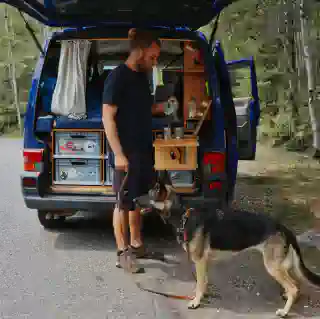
283 36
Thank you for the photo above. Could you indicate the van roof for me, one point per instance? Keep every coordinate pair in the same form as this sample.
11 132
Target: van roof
83 13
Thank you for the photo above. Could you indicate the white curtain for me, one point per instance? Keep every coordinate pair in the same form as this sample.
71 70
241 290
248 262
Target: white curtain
69 95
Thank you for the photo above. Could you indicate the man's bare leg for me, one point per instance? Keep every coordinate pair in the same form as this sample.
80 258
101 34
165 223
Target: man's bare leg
120 228
136 242
125 259
135 228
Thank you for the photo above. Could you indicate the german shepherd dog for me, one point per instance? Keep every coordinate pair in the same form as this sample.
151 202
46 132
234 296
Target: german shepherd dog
209 232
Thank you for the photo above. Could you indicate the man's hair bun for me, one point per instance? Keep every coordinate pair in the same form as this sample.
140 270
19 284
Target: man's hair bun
140 38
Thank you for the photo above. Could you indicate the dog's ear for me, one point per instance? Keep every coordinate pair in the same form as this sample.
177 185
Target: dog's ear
165 178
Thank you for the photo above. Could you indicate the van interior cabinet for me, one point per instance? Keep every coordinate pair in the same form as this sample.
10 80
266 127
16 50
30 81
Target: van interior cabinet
175 154
80 158
194 83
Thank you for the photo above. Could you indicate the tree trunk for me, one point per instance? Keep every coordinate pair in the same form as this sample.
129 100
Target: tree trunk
12 67
313 101
291 67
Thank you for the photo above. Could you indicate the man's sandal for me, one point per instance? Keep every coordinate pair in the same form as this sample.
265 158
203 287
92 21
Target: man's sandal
142 253
127 261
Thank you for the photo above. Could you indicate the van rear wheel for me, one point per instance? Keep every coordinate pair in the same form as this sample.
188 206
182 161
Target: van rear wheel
50 220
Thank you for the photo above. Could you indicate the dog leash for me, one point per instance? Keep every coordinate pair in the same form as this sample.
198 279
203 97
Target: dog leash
122 185
164 294
169 295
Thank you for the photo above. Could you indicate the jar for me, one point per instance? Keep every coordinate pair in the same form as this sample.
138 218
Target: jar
167 133
179 132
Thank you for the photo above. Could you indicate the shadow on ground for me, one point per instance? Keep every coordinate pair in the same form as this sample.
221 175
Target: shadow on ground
94 232
240 287
279 195
243 285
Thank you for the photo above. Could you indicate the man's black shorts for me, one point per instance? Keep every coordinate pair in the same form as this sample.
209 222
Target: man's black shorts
140 179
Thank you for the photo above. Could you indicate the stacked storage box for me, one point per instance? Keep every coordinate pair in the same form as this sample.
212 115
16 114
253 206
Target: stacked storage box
81 158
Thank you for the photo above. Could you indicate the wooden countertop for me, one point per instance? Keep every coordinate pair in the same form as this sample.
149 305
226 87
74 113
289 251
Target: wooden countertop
175 142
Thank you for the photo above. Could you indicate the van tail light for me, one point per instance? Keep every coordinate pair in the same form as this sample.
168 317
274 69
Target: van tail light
214 169
214 162
216 185
29 182
33 160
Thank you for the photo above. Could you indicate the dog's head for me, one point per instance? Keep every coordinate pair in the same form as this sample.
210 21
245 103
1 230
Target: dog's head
161 198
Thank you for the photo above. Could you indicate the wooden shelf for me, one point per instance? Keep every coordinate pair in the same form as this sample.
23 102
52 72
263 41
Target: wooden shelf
198 118
185 142
69 189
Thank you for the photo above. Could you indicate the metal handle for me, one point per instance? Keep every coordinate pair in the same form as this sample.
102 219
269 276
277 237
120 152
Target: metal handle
77 136
78 163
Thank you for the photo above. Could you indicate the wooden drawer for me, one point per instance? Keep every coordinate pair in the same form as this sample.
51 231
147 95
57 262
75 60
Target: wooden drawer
176 154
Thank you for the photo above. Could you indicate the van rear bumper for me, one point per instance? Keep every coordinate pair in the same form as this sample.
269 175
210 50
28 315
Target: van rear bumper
54 202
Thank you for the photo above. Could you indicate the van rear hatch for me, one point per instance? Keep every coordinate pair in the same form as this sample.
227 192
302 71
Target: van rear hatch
83 13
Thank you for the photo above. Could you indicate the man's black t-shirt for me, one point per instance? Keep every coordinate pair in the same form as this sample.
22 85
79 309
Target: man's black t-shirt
130 92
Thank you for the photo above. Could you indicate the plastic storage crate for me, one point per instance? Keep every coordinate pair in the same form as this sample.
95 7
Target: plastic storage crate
84 144
181 178
78 172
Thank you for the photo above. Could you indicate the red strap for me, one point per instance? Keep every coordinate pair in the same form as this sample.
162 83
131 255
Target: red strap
185 237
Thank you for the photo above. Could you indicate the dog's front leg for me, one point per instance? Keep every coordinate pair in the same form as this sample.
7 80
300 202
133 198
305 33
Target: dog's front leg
202 282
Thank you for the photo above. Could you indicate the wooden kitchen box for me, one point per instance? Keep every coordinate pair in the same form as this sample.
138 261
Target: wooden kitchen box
176 154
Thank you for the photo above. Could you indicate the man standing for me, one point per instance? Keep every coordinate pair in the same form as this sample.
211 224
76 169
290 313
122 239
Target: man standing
127 118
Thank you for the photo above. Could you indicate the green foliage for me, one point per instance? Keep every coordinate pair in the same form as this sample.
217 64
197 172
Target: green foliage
24 56
266 29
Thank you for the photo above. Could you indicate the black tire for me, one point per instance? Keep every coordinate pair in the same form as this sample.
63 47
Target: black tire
50 223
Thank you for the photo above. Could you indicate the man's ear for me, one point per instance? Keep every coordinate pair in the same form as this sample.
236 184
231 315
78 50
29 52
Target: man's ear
140 53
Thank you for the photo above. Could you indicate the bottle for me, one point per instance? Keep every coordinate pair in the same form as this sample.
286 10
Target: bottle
192 107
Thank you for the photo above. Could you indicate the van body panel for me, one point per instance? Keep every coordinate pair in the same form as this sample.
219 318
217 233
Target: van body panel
82 13
220 136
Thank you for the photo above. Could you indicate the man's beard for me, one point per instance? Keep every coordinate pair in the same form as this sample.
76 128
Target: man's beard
140 66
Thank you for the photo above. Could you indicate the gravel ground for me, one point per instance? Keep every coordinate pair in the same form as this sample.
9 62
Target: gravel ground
71 274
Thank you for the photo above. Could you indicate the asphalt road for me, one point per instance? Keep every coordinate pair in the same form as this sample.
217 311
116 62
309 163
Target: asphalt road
64 274
70 273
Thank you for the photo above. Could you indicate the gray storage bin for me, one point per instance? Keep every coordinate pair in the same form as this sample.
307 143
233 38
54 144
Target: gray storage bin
108 172
78 171
181 178
86 144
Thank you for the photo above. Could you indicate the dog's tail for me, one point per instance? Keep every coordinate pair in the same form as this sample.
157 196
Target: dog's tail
300 268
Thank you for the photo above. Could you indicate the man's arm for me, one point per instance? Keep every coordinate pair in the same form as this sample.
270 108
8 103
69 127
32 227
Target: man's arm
108 118
158 108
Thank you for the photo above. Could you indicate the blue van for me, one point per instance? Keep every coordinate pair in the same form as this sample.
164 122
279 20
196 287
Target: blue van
68 165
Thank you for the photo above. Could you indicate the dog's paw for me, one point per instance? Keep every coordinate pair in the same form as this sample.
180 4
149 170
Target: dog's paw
281 313
193 304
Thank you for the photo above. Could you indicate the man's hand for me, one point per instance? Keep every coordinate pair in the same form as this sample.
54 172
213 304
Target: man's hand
157 108
121 162
162 108
171 106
